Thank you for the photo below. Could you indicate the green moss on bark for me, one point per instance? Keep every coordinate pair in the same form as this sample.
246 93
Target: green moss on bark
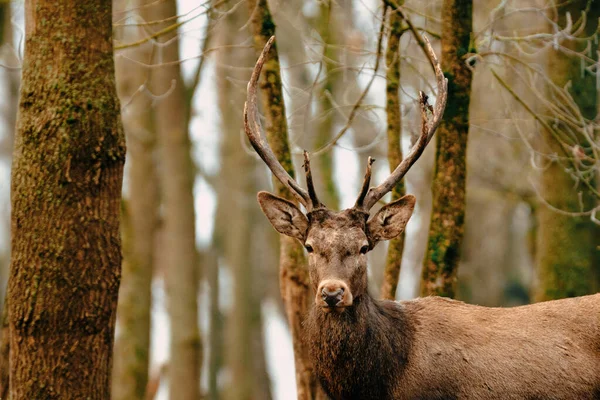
446 229
567 247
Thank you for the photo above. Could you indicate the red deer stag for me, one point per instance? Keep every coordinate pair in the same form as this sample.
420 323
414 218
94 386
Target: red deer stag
428 348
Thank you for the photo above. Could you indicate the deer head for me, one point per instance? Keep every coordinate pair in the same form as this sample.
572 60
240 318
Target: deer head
338 242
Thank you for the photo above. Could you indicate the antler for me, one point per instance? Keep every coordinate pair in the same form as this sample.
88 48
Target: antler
252 128
367 199
365 185
309 183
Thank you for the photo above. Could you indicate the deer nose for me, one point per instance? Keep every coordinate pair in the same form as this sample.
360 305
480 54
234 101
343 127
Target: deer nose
332 297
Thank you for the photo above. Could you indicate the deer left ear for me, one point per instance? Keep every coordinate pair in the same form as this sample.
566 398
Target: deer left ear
391 220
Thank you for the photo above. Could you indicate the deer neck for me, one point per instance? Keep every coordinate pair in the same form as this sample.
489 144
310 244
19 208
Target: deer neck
361 352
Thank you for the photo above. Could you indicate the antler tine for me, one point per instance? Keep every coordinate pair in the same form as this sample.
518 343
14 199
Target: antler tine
309 183
252 128
365 185
427 131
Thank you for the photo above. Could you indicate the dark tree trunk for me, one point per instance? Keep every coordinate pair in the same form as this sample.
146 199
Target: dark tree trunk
66 191
449 183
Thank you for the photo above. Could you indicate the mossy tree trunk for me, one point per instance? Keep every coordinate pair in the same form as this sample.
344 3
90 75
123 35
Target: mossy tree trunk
66 192
449 183
567 247
139 225
391 273
176 176
294 280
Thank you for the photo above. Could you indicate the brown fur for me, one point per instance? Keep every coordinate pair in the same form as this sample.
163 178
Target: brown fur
431 348
436 348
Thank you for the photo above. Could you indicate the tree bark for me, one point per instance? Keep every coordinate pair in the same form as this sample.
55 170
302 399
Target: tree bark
393 262
446 229
10 83
176 175
294 280
11 86
567 247
139 223
66 191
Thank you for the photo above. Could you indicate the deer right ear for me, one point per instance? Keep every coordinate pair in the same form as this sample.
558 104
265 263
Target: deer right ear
391 220
285 217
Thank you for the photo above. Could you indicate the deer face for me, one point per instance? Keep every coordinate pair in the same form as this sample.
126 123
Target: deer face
337 243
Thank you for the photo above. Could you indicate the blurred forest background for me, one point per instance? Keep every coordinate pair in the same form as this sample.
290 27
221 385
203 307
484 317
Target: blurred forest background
200 305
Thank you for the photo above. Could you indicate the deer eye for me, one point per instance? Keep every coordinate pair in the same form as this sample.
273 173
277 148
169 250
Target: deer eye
309 248
364 249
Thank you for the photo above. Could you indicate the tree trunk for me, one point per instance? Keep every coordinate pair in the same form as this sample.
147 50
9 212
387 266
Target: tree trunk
140 219
294 280
449 183
238 255
215 339
176 173
11 86
245 356
391 273
222 326
567 246
259 247
328 192
66 191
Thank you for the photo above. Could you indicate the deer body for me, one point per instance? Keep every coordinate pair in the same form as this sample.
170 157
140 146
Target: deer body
426 349
436 348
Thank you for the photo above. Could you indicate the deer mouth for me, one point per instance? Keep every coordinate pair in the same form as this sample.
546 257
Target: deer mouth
338 308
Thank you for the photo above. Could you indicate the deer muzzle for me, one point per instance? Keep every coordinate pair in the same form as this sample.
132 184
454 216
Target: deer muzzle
333 294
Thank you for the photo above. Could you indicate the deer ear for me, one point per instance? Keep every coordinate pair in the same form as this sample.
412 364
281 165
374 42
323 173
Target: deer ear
391 220
285 217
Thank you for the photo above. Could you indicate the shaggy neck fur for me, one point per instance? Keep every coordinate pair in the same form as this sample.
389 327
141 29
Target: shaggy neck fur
362 352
